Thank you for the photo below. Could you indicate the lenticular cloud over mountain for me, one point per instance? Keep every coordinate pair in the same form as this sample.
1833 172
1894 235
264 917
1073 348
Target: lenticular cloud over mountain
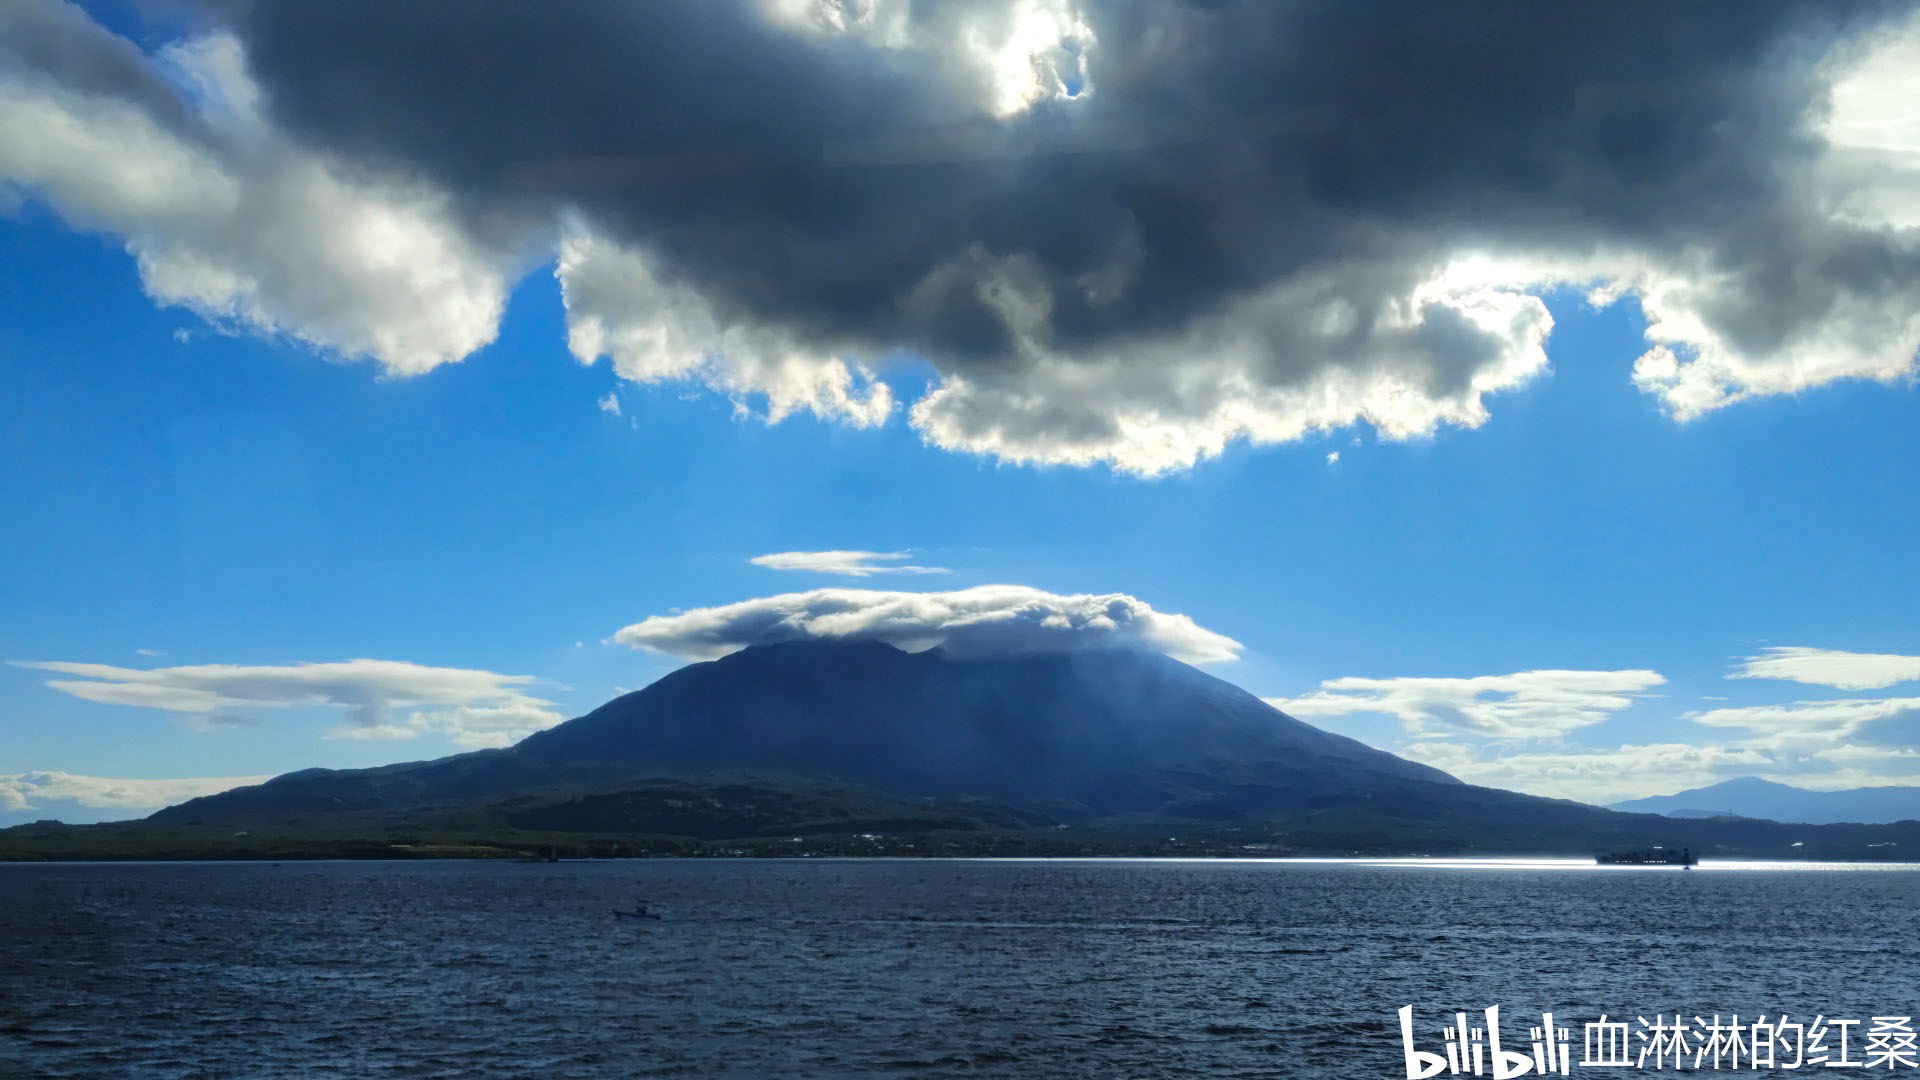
985 620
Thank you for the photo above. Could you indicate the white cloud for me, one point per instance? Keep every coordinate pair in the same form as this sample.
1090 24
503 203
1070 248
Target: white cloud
1333 457
1596 776
1423 358
1852 765
1873 134
1854 317
27 791
228 219
1695 369
1801 719
610 404
1632 771
1524 705
985 619
1830 667
845 563
375 732
472 726
658 331
477 708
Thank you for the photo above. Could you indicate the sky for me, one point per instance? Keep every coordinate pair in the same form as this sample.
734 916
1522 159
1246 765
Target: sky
369 400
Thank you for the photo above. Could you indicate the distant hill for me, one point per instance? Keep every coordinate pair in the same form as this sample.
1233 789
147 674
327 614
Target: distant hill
1752 797
662 816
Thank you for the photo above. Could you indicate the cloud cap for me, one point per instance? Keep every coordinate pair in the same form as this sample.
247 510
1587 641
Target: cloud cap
984 620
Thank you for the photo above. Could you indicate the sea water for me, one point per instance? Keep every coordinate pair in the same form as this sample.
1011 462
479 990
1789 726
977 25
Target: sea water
762 968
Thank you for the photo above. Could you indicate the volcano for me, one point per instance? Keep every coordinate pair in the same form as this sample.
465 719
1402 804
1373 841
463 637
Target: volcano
1091 734
859 736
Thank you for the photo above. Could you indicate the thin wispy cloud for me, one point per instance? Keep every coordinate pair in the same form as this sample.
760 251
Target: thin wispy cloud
1595 775
845 563
27 791
473 708
1822 720
1522 705
1830 667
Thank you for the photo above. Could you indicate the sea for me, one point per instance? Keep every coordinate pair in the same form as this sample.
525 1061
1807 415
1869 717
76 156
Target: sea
937 968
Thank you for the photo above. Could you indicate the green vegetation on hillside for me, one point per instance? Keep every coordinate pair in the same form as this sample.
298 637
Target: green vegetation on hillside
762 816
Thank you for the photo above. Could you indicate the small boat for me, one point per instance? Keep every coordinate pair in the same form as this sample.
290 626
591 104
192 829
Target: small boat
1656 857
640 913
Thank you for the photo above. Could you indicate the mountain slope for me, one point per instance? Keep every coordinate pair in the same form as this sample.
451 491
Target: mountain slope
1083 727
1756 798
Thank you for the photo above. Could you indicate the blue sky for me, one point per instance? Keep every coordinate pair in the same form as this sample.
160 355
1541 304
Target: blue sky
229 499
191 487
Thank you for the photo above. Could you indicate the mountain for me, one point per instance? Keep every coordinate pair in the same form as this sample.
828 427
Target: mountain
1752 797
1093 751
1091 734
1105 731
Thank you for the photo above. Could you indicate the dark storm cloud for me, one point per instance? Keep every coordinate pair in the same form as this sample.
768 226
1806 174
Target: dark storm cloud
699 127
62 43
1122 233
814 181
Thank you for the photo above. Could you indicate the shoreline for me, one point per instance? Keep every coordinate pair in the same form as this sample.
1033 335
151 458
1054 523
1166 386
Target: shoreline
1436 862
